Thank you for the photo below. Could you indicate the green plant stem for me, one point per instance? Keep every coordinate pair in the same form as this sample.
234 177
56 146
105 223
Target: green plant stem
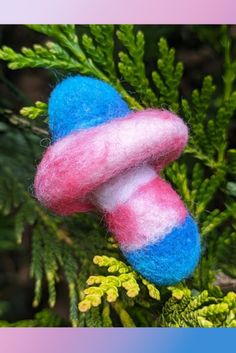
125 318
229 67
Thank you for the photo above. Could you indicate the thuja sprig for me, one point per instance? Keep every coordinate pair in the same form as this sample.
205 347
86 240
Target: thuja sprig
100 47
168 76
49 252
110 285
64 54
38 110
201 310
132 65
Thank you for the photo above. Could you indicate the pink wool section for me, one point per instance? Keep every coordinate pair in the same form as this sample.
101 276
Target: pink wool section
119 189
149 214
78 164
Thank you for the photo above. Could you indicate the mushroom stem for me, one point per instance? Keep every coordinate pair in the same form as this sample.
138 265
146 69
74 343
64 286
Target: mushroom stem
139 207
151 224
120 188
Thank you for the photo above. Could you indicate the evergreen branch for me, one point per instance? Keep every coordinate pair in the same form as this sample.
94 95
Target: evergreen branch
100 47
23 123
132 66
212 223
44 318
38 110
199 311
168 77
109 285
229 65
125 318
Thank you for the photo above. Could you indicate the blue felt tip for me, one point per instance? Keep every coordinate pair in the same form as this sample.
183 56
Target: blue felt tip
81 102
170 260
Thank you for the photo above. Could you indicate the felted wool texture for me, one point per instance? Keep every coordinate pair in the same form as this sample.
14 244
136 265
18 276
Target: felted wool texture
76 165
170 260
107 158
119 189
82 102
149 214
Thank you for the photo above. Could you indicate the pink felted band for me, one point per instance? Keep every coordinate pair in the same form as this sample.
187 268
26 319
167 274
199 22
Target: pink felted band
79 163
151 212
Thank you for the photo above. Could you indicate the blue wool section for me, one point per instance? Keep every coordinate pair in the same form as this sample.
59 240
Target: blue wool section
171 259
83 102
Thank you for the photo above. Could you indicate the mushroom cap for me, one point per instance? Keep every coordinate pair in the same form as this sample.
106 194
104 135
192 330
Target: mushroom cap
77 164
81 102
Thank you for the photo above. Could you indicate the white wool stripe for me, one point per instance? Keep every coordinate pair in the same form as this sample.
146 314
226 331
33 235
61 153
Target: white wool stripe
120 188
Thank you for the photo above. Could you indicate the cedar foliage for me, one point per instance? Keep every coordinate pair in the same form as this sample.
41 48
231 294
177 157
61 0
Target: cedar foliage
103 290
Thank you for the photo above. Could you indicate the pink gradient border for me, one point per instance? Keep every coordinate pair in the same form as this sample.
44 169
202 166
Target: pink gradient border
122 11
117 340
138 340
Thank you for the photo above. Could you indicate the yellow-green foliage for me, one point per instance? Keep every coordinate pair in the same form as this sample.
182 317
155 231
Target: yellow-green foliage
109 286
202 310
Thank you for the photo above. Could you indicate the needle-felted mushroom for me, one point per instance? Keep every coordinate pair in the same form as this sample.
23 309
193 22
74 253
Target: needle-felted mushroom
108 158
